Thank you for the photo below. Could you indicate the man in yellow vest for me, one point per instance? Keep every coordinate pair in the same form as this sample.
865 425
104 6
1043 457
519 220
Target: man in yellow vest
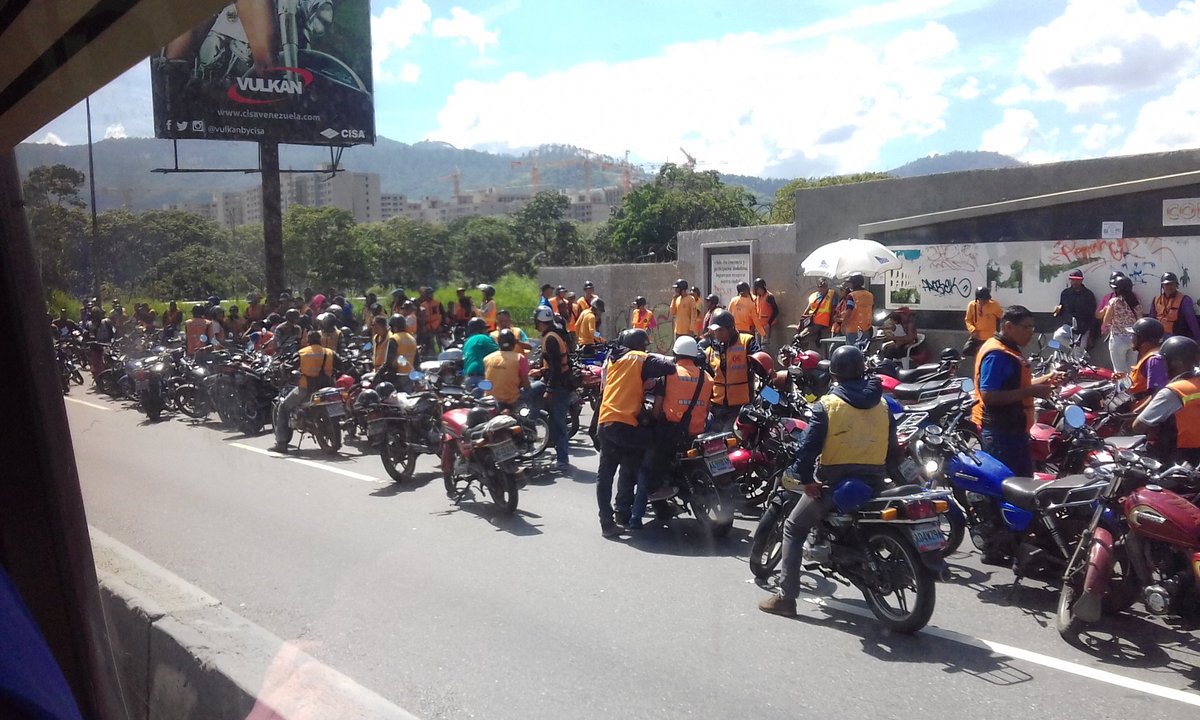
683 309
587 328
507 370
681 412
622 440
504 322
399 355
642 318
1176 408
316 372
854 435
982 320
729 360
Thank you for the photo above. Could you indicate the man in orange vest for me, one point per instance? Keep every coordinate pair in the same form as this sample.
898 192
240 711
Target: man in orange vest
818 315
683 309
1005 390
641 318
194 328
745 312
860 306
768 309
1175 409
982 319
1149 373
729 359
1176 311
681 411
622 439
431 311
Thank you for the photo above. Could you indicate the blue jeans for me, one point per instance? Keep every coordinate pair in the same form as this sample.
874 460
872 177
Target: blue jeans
558 405
471 384
1010 448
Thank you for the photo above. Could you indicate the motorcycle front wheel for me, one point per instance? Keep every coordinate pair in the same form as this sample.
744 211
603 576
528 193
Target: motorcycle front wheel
766 549
903 594
253 417
398 460
187 399
329 435
534 438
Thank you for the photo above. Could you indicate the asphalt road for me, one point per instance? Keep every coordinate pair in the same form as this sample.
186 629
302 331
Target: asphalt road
457 612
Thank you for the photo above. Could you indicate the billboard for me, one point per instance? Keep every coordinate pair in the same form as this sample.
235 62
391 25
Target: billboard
287 71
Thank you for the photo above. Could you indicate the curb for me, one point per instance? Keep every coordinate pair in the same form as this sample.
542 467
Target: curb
180 654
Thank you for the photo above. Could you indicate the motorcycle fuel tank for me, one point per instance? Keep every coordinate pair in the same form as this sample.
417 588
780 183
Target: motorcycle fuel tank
1162 515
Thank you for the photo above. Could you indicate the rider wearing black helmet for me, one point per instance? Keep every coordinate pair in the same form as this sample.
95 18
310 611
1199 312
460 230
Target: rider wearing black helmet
1175 407
727 358
683 309
331 334
556 373
507 370
1149 373
621 439
288 333
400 356
587 327
982 320
861 436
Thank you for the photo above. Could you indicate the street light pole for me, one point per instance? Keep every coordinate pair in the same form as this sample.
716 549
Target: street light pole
91 246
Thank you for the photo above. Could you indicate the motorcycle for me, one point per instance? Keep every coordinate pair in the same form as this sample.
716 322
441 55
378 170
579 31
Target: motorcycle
478 447
409 425
150 382
705 482
1143 541
320 416
243 393
68 369
763 429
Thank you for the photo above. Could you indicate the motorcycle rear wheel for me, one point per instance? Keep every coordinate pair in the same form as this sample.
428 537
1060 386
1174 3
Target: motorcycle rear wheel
527 448
187 399
903 572
398 460
766 549
253 418
755 487
504 492
712 507
328 435
76 377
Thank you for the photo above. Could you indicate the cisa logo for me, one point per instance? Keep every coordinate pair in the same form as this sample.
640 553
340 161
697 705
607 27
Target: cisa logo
273 86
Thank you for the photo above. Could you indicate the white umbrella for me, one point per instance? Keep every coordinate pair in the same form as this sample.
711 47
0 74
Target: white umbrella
846 257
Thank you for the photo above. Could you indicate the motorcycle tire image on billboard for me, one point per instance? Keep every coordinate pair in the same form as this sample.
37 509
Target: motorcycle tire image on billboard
286 71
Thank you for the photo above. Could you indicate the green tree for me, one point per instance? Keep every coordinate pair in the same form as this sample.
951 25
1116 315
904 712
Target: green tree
59 235
57 184
130 244
784 210
195 272
406 253
320 247
679 199
484 248
545 235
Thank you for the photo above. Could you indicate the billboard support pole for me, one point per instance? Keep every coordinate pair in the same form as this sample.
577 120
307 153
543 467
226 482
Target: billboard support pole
272 213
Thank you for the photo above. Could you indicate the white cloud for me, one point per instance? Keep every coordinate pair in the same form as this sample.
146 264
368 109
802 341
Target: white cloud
807 115
1016 131
51 139
410 73
969 89
393 30
1097 136
465 27
1100 50
115 131
1168 123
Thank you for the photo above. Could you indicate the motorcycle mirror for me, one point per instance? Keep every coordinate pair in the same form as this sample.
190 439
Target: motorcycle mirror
968 385
1053 345
416 376
485 385
203 338
770 395
367 346
1075 417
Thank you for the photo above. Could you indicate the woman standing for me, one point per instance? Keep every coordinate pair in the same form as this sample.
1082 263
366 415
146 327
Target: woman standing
1122 311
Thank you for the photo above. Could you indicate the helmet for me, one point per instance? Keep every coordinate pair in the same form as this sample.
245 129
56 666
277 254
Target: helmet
1169 277
857 281
327 321
1147 329
685 346
478 416
808 360
397 323
983 293
598 305
1180 351
212 300
198 310
639 301
635 339
847 363
506 339
368 397
487 290
344 382
398 293
385 390
949 355
743 286
681 284
765 364
760 283
477 325
1092 399
334 309
272 320
291 315
722 319
1114 277
543 314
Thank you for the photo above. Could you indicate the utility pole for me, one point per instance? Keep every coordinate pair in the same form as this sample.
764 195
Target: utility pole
272 213
91 246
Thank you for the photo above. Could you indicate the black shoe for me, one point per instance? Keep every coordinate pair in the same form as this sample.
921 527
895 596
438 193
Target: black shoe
622 519
610 531
995 559
279 447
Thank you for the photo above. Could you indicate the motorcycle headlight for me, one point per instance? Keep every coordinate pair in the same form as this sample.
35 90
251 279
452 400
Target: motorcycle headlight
931 467
524 412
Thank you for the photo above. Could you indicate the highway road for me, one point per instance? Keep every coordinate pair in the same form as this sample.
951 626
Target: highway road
455 612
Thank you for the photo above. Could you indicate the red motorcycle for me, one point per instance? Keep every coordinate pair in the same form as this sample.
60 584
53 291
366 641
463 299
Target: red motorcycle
763 430
1143 541
479 446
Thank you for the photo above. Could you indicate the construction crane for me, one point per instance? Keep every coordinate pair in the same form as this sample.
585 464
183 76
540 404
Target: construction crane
456 176
535 173
691 161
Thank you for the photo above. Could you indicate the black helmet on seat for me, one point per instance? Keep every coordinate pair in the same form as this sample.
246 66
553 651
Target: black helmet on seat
478 416
847 363
949 355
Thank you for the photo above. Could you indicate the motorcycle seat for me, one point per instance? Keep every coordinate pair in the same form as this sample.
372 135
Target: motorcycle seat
917 373
1024 492
1125 442
935 405
913 391
901 491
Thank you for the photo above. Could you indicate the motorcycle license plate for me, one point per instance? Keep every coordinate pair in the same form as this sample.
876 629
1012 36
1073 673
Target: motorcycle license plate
719 465
335 410
909 470
504 450
928 537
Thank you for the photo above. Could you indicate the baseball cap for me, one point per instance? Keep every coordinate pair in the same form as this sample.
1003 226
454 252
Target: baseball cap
1076 274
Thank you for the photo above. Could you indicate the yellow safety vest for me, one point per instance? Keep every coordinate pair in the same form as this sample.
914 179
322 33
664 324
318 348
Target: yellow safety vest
855 436
406 351
731 383
623 392
315 361
503 370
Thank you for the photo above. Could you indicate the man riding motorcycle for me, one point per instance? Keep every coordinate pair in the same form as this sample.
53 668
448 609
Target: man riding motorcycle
507 370
1175 408
853 433
399 354
1149 373
316 373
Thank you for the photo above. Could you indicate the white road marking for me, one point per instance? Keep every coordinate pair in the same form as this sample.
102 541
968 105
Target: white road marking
309 463
85 402
1036 658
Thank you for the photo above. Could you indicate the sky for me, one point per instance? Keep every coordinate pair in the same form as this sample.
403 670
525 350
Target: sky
775 88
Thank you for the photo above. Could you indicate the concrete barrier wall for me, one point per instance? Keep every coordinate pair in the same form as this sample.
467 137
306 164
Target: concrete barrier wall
181 655
619 285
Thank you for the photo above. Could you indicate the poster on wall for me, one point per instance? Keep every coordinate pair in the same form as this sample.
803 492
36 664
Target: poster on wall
1034 273
287 71
726 270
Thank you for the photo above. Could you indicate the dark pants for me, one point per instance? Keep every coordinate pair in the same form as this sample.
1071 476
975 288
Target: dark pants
667 440
283 412
621 446
558 407
723 417
1010 448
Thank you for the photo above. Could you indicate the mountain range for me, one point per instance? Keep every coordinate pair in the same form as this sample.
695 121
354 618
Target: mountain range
125 168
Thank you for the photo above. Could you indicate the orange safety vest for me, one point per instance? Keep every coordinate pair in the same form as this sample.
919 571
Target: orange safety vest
860 317
994 344
821 308
406 348
764 307
623 392
433 315
193 329
316 367
331 339
586 328
642 318
1166 311
1139 381
683 307
503 370
379 344
1187 418
463 312
731 373
255 311
487 311
564 360
679 391
745 314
